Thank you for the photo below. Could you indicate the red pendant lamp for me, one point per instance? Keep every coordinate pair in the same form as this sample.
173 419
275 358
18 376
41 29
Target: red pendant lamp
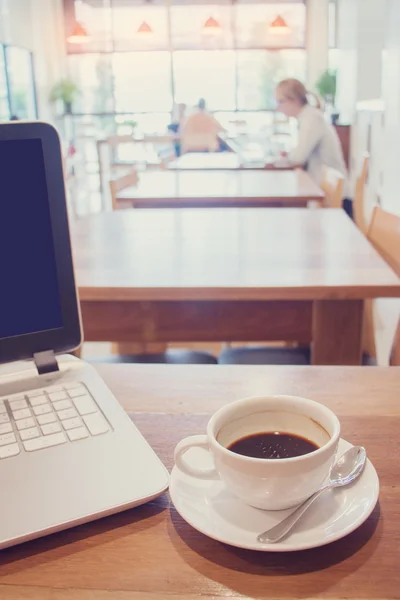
211 27
279 26
79 35
144 29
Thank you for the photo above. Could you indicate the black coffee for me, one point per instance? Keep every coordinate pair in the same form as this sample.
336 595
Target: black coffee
273 444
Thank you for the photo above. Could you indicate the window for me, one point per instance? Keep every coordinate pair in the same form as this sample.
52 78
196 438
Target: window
332 23
253 25
128 23
94 77
4 107
142 81
189 26
208 75
96 18
149 56
21 82
259 71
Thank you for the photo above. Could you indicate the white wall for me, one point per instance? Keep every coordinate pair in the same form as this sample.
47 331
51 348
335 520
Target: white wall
38 26
391 96
361 39
317 39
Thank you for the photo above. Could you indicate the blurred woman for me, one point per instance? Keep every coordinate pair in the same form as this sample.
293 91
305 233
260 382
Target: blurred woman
200 131
318 143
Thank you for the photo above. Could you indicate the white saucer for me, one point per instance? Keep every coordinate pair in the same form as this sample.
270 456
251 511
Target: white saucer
211 509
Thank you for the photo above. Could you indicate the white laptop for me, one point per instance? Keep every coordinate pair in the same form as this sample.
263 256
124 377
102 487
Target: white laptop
68 451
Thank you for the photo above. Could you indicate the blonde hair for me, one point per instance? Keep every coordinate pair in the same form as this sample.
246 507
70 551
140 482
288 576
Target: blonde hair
294 90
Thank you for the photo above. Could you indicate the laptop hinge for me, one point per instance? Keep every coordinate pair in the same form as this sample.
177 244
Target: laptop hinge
46 362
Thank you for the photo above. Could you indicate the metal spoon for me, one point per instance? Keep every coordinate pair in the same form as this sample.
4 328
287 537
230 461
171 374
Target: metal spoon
349 466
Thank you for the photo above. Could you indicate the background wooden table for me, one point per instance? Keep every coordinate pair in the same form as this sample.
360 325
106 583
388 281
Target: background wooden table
219 188
218 161
229 275
150 553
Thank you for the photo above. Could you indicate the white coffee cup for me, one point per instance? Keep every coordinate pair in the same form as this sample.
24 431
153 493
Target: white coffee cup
270 484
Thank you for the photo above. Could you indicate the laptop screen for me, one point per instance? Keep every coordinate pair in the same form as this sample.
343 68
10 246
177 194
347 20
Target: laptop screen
29 292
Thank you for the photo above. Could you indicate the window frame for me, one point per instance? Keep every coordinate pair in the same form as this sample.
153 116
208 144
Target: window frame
69 10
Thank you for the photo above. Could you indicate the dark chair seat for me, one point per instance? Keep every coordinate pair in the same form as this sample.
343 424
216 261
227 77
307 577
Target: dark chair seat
261 355
170 357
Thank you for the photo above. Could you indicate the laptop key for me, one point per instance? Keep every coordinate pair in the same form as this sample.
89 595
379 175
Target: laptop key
42 409
7 438
37 400
45 441
62 405
68 413
51 428
24 413
85 405
3 408
54 388
33 393
6 428
25 423
72 385
28 434
96 423
10 450
4 418
77 434
48 418
72 423
17 404
78 391
55 396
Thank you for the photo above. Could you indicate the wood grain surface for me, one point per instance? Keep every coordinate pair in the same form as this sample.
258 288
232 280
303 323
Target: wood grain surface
227 254
229 275
240 187
150 553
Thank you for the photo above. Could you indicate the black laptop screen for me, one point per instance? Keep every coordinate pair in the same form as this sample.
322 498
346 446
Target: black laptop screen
29 294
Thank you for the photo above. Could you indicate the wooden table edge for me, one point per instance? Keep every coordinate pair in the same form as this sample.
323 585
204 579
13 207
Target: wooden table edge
223 200
226 294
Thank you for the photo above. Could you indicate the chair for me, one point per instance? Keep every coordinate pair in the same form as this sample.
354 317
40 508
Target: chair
384 235
358 202
171 357
120 183
199 142
395 354
333 186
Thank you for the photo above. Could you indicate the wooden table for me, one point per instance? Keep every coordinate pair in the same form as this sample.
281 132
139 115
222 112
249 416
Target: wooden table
150 553
220 188
207 161
229 275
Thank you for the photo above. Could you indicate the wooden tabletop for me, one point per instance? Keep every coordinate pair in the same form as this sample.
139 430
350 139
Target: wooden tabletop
254 187
150 553
227 254
211 161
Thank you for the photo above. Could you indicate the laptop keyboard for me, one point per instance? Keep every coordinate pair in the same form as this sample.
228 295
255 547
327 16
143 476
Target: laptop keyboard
48 417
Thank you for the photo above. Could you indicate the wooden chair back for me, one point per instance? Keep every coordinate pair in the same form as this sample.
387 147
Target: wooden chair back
395 354
384 234
115 140
121 183
333 187
199 142
359 197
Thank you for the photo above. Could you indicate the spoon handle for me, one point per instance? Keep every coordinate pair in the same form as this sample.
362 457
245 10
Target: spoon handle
279 531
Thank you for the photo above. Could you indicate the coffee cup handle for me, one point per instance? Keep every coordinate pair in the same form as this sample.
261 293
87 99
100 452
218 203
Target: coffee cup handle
194 441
